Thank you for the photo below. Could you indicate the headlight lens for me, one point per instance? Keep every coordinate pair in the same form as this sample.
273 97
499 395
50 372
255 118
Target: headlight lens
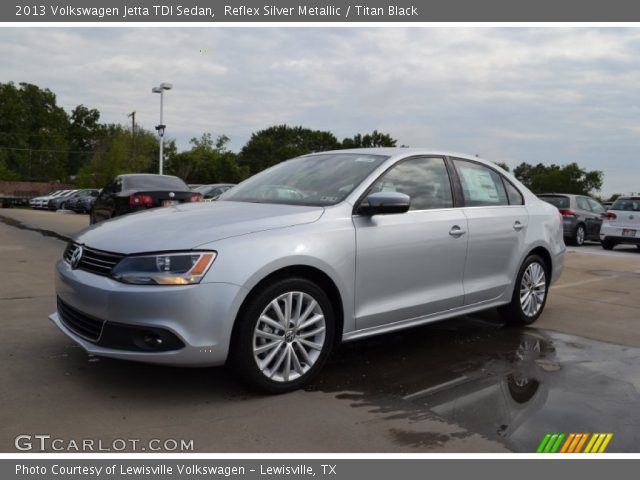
164 269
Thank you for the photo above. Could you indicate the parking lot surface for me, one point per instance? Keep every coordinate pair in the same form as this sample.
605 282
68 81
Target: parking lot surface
465 385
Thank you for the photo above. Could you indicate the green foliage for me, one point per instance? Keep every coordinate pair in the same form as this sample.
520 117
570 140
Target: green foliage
33 132
275 144
374 139
6 173
561 179
207 162
118 152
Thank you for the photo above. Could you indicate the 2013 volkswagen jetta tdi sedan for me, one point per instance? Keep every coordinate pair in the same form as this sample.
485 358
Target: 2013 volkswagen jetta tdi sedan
320 249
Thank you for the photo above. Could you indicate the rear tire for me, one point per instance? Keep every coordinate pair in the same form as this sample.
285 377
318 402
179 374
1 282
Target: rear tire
578 236
607 244
529 294
284 336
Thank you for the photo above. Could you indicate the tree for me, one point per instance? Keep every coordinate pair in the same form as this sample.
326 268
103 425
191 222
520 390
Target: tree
33 132
84 133
554 178
503 166
208 161
374 139
114 155
275 144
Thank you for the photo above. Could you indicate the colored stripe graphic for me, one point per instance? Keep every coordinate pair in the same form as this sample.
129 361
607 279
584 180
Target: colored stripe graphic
574 442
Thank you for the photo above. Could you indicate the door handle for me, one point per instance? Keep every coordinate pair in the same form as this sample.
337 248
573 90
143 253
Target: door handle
456 231
518 226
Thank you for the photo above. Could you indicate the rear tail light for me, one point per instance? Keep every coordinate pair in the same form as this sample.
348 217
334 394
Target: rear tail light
140 200
609 216
567 213
196 197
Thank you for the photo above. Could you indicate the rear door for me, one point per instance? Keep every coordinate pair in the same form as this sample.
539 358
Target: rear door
410 265
588 217
598 211
498 221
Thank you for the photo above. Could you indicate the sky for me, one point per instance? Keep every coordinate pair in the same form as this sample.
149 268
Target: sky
512 95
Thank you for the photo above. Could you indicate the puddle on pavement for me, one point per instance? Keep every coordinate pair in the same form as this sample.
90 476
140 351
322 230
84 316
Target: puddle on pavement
47 233
512 385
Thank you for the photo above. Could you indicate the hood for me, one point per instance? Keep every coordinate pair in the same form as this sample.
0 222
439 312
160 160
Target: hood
190 225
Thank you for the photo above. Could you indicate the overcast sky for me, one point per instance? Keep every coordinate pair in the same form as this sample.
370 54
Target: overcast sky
550 95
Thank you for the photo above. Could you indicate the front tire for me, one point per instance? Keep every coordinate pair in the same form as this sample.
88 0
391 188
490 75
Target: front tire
284 335
529 294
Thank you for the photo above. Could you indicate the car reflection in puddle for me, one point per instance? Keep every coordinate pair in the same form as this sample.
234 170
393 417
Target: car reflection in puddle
507 384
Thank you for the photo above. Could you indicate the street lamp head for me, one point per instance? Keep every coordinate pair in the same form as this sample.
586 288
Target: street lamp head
166 86
156 90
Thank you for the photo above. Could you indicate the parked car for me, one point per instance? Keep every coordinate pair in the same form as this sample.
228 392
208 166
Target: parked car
270 284
43 200
83 200
211 192
140 191
607 205
621 223
581 215
60 201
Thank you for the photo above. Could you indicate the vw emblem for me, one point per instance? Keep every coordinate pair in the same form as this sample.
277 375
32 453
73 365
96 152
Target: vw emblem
75 257
171 194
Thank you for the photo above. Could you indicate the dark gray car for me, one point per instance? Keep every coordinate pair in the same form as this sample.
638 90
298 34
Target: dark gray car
581 216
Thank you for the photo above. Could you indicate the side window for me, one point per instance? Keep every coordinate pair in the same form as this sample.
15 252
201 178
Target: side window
481 186
582 203
424 179
595 206
117 188
515 197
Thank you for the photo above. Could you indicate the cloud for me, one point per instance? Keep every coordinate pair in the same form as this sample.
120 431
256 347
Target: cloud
550 95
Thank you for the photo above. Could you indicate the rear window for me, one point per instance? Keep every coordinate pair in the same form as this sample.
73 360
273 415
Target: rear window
155 182
557 201
627 204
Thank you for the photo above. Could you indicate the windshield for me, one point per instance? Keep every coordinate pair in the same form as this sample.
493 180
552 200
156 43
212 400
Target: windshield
154 182
627 204
557 201
316 180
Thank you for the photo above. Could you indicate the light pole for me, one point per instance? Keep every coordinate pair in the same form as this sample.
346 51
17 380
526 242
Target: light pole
160 128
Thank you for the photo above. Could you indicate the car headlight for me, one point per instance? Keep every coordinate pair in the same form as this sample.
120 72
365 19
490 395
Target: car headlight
164 269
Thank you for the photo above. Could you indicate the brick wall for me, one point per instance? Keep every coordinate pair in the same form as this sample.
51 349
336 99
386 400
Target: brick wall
30 189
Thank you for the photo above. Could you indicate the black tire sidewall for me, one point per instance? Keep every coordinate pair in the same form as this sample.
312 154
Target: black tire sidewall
575 236
242 345
513 312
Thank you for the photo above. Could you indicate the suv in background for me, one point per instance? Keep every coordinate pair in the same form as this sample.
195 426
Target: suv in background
581 216
621 223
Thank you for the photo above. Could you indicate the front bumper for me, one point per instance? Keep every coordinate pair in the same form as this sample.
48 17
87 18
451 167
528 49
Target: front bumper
200 316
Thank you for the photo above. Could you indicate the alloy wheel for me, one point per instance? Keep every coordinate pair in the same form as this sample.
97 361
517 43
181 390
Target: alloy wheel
289 336
533 288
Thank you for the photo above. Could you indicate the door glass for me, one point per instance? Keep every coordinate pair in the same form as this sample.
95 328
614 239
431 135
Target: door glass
583 204
424 179
481 186
515 197
595 206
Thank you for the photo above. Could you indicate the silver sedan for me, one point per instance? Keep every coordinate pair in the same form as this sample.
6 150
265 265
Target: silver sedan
317 250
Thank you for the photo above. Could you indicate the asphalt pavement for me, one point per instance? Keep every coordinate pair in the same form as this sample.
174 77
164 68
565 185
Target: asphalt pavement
465 385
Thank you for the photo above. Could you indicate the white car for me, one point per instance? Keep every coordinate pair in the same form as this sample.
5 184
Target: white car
621 223
37 201
43 202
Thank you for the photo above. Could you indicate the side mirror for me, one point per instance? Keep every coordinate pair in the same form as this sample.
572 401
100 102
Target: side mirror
384 203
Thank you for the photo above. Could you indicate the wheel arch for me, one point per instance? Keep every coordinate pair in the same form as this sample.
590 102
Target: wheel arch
314 274
545 255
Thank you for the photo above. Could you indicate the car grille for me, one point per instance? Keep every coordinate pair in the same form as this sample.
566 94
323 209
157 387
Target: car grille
94 261
83 325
